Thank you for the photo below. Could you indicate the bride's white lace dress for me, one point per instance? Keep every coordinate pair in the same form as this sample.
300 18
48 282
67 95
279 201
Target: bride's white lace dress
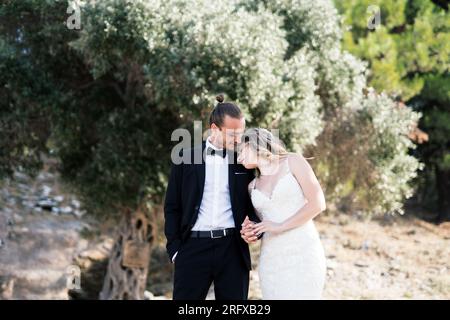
292 264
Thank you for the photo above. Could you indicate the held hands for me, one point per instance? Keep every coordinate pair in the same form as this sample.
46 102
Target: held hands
247 231
251 230
267 226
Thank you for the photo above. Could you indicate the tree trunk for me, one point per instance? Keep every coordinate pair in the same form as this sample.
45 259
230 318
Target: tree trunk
443 187
127 270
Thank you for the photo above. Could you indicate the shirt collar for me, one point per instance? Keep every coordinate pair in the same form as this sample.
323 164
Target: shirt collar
209 144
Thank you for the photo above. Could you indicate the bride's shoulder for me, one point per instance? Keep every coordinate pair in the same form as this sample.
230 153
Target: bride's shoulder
293 158
297 162
294 155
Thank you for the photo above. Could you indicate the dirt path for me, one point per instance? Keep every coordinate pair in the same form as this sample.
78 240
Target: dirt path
398 258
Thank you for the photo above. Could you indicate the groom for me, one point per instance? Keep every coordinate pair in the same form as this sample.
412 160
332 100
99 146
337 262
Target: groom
206 203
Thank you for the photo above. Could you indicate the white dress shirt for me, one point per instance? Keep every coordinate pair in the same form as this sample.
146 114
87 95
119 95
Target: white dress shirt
215 209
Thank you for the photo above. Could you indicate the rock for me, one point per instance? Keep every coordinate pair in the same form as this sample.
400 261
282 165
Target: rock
23 187
75 203
18 218
46 204
78 213
28 204
393 270
35 249
331 265
8 211
46 190
160 298
108 244
366 245
343 220
41 176
148 295
361 265
352 244
94 254
83 263
20 176
66 209
407 295
7 289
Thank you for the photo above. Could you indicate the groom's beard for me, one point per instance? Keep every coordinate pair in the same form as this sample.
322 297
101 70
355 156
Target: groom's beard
234 147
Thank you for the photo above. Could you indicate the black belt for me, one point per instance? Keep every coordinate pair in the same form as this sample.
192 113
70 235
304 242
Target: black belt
213 234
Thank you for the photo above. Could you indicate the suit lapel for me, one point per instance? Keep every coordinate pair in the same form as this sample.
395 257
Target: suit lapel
231 176
200 171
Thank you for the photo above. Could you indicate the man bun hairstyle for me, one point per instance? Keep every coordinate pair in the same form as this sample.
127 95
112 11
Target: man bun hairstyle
220 98
223 109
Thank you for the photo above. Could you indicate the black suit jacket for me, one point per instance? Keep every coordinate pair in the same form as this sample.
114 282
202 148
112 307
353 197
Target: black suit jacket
184 195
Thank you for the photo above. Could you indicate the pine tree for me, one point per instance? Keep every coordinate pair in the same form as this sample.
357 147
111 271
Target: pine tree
408 54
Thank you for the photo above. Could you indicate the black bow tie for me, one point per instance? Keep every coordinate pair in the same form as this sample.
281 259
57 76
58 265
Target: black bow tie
212 152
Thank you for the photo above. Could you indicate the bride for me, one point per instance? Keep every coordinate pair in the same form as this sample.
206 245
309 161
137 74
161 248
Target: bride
286 196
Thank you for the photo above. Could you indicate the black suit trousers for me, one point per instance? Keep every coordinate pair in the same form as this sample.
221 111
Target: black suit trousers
202 261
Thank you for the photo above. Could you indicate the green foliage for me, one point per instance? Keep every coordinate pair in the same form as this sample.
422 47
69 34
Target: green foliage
413 39
388 141
111 94
408 55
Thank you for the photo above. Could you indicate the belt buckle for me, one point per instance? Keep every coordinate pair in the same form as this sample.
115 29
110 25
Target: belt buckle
220 236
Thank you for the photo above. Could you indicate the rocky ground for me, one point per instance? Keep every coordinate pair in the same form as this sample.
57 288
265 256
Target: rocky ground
44 234
391 258
401 257
39 234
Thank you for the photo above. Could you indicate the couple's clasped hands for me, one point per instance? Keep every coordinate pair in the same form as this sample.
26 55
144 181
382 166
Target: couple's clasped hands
251 231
